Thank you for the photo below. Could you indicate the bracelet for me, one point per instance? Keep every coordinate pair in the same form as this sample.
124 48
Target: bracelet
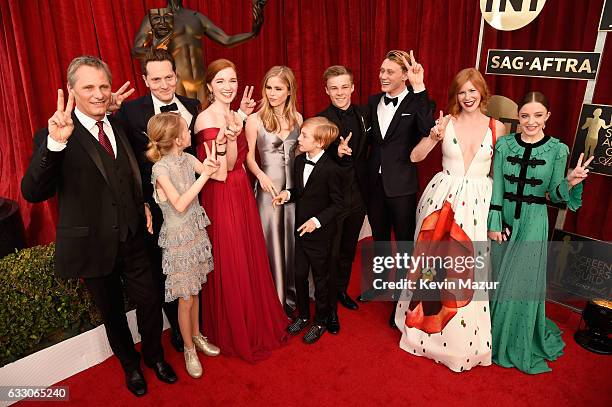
221 153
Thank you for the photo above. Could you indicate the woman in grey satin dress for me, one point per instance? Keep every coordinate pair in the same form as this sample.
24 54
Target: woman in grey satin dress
274 130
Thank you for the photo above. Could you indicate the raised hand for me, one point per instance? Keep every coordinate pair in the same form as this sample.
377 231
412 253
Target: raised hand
308 227
437 132
579 174
280 199
211 164
232 126
343 148
247 105
119 96
60 125
258 16
415 72
266 184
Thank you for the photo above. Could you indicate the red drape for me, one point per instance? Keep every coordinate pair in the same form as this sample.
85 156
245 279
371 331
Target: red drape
39 38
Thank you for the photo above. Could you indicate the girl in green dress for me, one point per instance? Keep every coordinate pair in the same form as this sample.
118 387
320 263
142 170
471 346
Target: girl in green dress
527 166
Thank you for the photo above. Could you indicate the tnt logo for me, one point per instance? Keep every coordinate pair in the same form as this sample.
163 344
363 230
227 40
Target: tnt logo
508 15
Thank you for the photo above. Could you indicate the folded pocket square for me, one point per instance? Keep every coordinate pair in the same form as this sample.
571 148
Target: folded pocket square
406 114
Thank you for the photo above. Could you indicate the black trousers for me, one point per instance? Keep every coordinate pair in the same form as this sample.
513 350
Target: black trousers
133 267
315 256
391 213
343 251
155 255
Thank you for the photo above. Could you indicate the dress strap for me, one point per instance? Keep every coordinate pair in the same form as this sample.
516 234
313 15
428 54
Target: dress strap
492 127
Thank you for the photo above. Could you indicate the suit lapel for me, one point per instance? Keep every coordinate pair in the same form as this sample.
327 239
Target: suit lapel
299 173
398 114
375 123
84 137
147 112
315 171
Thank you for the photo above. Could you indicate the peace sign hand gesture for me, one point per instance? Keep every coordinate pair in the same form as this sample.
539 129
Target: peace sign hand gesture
60 125
343 148
415 72
211 164
579 174
437 132
232 126
247 105
118 97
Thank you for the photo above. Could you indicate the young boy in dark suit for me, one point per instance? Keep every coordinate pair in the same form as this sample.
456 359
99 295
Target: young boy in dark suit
319 201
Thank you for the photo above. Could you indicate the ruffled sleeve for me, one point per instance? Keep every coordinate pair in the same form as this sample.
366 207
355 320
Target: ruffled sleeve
159 168
494 221
558 189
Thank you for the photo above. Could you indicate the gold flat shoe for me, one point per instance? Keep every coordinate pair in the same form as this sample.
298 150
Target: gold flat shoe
202 344
192 363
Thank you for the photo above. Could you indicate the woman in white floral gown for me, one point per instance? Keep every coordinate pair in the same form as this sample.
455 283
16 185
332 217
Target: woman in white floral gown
456 329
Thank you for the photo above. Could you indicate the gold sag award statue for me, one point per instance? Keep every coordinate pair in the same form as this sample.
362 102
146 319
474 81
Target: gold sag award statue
180 31
594 125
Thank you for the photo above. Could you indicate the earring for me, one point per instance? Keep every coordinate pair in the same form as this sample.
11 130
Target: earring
543 126
211 97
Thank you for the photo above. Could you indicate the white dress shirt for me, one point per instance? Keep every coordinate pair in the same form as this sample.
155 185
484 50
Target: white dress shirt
92 127
182 110
386 112
307 171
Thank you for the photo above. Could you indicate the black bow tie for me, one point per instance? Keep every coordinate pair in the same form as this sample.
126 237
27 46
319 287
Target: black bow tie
172 107
391 100
308 162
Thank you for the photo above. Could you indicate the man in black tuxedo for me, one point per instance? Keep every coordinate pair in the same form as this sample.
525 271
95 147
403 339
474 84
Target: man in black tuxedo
159 74
319 201
350 151
401 116
86 159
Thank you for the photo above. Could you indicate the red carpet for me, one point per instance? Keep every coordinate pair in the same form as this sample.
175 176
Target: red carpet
362 366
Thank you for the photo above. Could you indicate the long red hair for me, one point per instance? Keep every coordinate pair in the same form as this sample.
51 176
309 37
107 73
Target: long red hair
211 71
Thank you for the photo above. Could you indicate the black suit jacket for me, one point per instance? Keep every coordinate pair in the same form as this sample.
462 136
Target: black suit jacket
355 165
321 197
412 120
87 231
135 115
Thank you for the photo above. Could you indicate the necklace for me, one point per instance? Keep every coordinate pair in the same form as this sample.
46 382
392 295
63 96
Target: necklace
282 116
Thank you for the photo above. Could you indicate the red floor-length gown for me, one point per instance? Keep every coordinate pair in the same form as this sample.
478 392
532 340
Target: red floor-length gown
241 311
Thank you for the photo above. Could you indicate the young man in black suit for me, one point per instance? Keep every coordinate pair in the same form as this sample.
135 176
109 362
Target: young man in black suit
401 116
85 158
350 151
319 201
159 74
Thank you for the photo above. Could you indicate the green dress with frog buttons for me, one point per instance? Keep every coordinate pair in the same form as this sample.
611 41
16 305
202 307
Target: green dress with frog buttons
523 174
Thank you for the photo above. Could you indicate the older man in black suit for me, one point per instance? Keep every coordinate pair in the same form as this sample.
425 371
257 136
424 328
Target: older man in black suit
85 158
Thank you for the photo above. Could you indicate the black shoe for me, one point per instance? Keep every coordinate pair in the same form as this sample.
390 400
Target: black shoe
333 323
135 382
347 302
314 334
297 325
164 372
176 339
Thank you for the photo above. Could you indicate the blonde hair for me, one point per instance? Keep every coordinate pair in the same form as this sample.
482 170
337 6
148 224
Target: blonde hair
266 113
395 55
324 131
464 76
162 130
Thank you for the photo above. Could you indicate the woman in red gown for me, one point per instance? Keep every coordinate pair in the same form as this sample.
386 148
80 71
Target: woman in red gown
241 311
